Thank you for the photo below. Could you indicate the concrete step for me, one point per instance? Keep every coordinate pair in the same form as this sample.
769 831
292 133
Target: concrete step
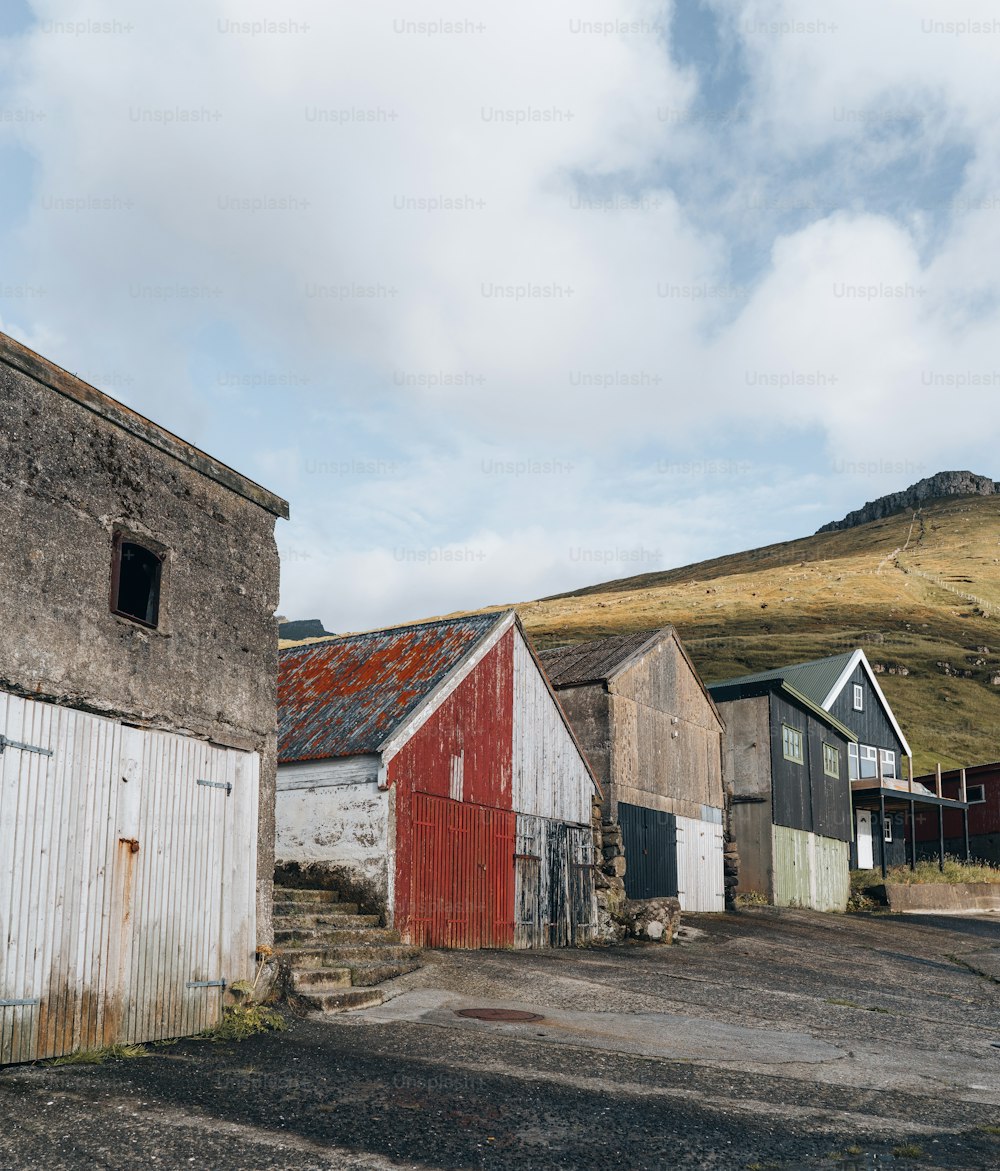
332 936
382 953
307 979
294 894
350 998
290 922
365 975
323 956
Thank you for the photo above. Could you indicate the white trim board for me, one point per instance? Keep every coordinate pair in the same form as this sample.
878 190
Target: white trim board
859 656
427 706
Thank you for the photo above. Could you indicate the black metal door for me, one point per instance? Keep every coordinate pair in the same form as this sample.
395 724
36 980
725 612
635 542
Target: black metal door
649 838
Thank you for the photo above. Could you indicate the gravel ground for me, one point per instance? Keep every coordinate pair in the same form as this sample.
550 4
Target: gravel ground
869 1036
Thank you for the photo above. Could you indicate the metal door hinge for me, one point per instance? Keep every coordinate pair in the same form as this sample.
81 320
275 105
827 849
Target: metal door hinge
227 785
5 743
205 984
17 1003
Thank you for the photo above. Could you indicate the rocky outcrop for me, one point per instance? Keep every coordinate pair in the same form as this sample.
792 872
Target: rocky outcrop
653 920
932 488
301 628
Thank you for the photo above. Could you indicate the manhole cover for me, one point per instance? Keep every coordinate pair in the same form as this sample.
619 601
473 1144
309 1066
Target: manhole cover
499 1014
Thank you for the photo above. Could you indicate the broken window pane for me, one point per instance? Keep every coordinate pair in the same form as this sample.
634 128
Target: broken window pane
137 582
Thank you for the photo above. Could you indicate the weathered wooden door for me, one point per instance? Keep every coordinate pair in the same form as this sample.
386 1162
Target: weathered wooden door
554 883
127 891
462 875
649 838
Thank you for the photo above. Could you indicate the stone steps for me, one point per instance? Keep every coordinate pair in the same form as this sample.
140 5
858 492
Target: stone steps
286 922
338 956
350 998
304 936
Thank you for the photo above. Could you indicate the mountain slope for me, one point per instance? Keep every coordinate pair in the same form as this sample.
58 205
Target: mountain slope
921 594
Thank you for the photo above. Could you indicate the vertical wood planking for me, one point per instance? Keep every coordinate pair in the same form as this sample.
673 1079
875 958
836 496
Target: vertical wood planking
550 777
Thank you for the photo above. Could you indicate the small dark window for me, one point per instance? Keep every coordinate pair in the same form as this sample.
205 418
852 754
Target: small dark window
976 794
135 582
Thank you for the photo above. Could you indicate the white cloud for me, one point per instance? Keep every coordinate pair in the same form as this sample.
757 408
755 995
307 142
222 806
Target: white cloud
580 332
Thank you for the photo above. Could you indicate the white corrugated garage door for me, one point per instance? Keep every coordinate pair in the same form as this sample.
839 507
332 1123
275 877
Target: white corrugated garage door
127 890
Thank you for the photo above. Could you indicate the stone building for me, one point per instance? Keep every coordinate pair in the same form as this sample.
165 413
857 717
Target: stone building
138 661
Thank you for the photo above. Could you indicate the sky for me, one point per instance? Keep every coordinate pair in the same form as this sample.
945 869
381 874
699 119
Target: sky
509 298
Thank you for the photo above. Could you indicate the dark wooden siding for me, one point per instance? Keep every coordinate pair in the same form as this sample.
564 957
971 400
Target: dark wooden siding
895 851
649 838
803 796
871 725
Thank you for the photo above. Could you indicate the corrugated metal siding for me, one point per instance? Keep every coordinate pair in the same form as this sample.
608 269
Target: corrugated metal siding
472 724
105 940
810 871
700 879
554 886
462 882
649 839
550 777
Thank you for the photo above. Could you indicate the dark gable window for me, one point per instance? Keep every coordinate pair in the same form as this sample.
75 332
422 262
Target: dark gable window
135 581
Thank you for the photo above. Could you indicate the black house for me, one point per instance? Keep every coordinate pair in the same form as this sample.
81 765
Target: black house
884 803
785 760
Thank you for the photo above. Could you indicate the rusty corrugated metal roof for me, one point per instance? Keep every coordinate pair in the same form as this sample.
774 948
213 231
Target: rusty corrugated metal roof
345 696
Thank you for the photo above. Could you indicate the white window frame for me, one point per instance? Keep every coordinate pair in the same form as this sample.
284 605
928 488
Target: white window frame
859 698
867 755
888 758
887 830
853 771
831 752
787 732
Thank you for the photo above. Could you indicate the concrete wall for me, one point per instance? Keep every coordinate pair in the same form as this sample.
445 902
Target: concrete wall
588 709
333 822
68 478
666 749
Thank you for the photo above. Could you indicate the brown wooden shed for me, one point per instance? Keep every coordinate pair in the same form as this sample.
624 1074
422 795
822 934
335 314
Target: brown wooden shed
654 738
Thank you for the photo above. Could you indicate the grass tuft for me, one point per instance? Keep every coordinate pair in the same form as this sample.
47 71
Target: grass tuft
955 870
907 1151
751 898
245 1020
100 1056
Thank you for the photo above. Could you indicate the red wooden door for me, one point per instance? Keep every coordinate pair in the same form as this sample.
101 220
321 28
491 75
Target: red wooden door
463 874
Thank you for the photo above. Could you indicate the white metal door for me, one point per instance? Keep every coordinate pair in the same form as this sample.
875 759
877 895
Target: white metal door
700 868
866 850
128 885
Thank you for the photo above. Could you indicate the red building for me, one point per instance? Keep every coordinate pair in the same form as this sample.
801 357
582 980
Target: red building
430 771
982 783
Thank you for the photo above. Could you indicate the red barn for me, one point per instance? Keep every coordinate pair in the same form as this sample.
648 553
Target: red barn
983 788
430 771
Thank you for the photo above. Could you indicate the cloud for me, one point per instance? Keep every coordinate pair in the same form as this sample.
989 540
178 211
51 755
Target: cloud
521 233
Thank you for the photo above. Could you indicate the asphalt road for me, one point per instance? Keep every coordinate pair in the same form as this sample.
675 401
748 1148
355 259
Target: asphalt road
782 1040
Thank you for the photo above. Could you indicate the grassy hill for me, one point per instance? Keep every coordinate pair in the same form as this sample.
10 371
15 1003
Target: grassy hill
920 594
